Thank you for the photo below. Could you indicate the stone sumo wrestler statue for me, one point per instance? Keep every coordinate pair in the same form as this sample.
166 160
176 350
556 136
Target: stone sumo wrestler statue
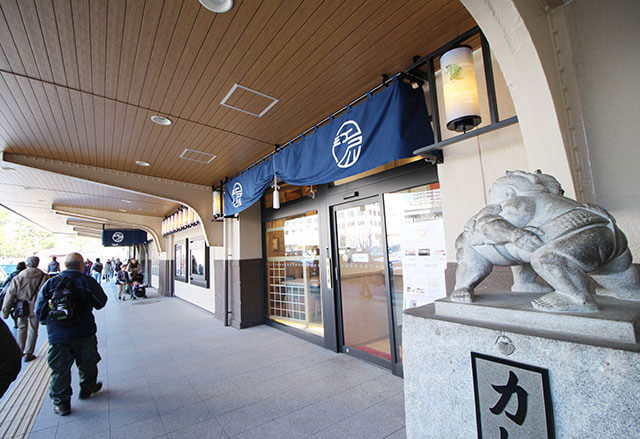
531 226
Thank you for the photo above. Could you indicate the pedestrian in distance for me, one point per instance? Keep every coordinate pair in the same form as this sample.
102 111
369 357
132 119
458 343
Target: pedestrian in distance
20 299
123 280
66 305
10 356
87 267
108 268
54 267
21 266
97 269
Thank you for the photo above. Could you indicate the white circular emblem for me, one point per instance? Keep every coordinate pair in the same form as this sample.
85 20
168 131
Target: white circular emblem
117 237
236 195
347 144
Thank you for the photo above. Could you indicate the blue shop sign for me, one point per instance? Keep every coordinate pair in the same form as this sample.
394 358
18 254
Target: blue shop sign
387 126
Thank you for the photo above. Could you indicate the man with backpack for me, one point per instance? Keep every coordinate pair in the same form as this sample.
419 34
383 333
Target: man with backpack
19 301
66 305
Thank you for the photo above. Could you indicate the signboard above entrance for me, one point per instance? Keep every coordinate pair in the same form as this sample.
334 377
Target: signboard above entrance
123 237
387 126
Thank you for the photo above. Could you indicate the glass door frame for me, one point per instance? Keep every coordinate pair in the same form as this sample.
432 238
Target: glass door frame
329 196
389 364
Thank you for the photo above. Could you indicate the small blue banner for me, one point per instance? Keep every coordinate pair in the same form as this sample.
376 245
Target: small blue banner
387 126
244 190
123 237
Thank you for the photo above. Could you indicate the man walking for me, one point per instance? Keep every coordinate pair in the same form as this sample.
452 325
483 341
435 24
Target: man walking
54 266
97 271
108 268
24 287
66 305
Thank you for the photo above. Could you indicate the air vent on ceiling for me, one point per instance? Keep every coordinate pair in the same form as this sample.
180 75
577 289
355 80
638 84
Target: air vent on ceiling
248 101
197 156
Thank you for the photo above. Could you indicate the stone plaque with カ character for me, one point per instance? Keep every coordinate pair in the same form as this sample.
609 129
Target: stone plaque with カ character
512 399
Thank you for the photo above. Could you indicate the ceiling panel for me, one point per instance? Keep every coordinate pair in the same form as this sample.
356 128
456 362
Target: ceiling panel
79 79
27 190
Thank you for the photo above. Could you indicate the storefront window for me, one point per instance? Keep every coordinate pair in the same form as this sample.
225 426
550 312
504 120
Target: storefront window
416 249
199 257
293 272
181 262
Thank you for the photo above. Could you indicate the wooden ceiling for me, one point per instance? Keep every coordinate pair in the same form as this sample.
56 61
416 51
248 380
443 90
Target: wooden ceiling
80 79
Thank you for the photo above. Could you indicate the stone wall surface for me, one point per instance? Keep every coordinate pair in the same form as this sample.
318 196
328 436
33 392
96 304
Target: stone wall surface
594 388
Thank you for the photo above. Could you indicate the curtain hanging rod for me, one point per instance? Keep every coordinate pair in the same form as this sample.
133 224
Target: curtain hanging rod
385 81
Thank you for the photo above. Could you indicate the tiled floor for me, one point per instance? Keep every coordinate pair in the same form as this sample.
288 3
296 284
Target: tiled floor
171 370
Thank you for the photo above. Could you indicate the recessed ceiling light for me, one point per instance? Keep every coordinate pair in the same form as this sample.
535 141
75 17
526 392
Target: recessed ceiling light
123 210
8 168
126 201
219 6
142 163
161 120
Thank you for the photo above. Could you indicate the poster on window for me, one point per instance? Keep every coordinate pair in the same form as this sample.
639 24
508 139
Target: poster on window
423 261
199 263
181 262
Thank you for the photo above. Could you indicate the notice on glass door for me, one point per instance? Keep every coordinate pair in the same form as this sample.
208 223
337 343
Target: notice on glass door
423 262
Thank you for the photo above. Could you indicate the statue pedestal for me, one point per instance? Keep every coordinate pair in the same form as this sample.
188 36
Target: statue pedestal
617 320
593 364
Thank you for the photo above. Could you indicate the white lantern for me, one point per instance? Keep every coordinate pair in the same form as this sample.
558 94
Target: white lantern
460 88
217 203
276 193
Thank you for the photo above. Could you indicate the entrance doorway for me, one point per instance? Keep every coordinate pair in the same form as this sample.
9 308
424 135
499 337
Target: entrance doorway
363 283
389 254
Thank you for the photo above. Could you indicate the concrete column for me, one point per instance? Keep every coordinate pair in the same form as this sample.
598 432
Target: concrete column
243 244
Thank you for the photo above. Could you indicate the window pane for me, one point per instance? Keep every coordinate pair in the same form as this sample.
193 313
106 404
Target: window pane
293 272
417 259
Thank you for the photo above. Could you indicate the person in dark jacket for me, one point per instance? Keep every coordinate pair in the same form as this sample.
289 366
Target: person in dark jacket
54 266
77 342
21 266
97 271
10 358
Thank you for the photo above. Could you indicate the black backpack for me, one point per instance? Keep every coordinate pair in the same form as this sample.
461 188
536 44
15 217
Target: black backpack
64 307
20 309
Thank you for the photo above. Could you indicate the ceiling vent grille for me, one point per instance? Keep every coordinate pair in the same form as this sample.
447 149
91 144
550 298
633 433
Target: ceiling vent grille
248 101
197 156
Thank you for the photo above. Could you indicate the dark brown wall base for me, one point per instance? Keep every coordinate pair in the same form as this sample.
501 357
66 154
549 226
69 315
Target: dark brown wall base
245 286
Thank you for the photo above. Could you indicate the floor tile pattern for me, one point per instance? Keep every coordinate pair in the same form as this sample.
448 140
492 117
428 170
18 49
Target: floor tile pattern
171 370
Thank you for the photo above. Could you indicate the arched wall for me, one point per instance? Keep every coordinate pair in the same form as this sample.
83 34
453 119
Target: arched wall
520 38
571 68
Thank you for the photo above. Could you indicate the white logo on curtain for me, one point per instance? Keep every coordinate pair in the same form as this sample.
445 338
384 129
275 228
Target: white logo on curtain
117 237
347 144
236 195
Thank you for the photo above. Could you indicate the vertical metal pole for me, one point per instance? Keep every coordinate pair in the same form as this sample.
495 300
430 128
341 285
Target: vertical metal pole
433 99
225 298
488 74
